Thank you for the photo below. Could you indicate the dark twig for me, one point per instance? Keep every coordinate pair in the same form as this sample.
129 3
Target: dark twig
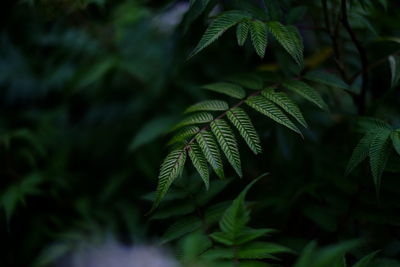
333 34
363 57
375 64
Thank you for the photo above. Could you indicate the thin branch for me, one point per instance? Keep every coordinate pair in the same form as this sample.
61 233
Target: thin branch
363 57
333 34
374 65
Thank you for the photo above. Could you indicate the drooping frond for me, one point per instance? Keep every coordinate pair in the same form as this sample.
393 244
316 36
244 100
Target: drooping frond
171 168
199 162
360 152
210 149
184 134
379 155
230 89
258 34
242 31
227 141
243 124
197 118
217 27
307 92
269 109
289 39
281 99
208 105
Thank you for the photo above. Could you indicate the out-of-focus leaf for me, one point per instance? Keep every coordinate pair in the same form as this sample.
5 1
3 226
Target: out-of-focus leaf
151 131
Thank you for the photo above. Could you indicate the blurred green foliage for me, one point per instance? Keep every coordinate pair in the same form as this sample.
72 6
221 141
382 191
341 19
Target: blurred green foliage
89 93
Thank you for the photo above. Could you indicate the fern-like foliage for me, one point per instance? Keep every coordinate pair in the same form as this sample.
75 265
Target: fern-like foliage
209 105
243 124
377 143
236 240
199 162
307 92
211 151
259 37
227 141
219 25
229 89
203 135
170 169
268 108
283 101
287 36
242 31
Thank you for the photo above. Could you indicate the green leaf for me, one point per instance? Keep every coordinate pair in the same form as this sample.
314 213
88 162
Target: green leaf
394 62
198 118
326 78
307 256
282 100
259 36
242 122
199 162
227 141
217 254
261 250
396 140
181 227
230 89
307 92
16 193
379 154
366 260
151 131
360 152
210 149
193 245
268 108
208 105
242 31
330 255
236 216
218 26
171 169
249 234
222 238
184 134
289 38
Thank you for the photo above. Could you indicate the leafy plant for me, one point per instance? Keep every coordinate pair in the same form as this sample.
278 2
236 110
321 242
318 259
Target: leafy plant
95 94
377 142
202 135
